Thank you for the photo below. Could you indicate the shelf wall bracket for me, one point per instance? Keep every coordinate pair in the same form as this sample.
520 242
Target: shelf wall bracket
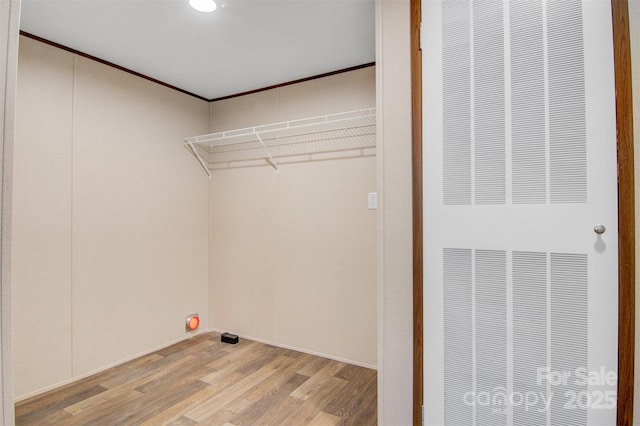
194 151
271 160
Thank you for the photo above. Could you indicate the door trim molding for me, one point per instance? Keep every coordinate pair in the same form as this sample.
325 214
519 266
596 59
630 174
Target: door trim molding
416 178
626 211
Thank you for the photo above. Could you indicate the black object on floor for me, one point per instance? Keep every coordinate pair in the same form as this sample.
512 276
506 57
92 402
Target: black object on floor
229 338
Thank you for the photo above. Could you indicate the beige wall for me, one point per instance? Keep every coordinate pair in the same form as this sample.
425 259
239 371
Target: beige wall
395 266
9 30
293 254
42 225
111 230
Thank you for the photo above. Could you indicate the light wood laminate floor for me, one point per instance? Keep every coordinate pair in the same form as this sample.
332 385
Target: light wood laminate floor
204 381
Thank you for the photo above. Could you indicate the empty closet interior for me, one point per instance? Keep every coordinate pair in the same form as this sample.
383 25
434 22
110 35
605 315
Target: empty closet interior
119 231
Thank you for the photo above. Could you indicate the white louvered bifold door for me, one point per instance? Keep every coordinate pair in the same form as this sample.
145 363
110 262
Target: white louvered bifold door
520 292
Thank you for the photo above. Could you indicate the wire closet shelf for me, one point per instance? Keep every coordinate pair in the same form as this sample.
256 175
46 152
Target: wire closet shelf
350 133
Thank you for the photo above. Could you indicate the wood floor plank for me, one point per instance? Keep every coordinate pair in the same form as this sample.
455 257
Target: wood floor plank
63 393
107 396
35 411
355 401
178 410
189 372
92 414
349 401
315 402
311 368
204 381
287 369
251 414
366 414
209 407
350 372
56 418
325 419
224 414
246 353
150 404
279 412
264 357
127 387
183 421
318 380
141 372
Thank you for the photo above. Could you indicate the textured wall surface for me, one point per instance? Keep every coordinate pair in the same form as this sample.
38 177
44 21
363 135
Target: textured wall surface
395 267
111 233
294 254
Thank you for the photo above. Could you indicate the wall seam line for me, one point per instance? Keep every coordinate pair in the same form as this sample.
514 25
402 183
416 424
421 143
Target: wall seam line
210 219
279 233
72 213
381 207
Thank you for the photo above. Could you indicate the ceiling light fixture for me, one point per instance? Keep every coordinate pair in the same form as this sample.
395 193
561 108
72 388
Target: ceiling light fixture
203 5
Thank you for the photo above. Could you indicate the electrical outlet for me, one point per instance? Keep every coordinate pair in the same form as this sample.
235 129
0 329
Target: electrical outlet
373 200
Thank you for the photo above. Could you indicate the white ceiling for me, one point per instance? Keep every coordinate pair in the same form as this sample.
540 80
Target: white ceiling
244 45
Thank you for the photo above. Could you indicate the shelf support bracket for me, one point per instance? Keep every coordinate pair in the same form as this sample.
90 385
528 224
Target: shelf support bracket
195 153
271 160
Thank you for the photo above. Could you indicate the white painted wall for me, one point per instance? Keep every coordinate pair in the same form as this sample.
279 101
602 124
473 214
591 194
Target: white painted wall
43 218
293 254
111 217
395 266
9 27
112 224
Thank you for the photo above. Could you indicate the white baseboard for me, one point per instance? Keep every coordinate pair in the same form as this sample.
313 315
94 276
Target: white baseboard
306 351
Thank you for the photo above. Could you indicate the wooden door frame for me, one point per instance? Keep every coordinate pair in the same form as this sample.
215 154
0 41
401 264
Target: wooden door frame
626 211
